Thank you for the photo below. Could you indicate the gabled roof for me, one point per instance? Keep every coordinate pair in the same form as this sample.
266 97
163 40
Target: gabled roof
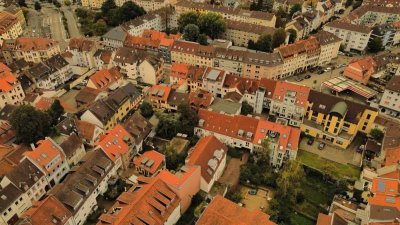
221 211
7 79
81 44
117 33
10 193
299 92
150 161
29 44
71 145
85 129
103 78
116 142
137 126
25 175
208 153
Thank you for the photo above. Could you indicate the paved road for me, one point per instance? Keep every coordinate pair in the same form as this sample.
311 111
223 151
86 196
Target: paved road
52 19
72 22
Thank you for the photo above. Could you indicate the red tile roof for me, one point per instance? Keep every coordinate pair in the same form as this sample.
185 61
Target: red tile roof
7 79
33 44
81 44
7 20
179 70
157 158
149 202
200 99
46 152
85 129
207 149
44 103
283 88
387 187
46 211
229 125
392 156
221 211
159 88
115 142
242 84
324 219
104 78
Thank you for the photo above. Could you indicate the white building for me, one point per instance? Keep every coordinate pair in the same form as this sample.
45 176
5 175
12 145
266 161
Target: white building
390 101
83 51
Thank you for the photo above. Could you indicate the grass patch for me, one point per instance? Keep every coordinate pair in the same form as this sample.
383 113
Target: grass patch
309 209
301 220
316 190
334 169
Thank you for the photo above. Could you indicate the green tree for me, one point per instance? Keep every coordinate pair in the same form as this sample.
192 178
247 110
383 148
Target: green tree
186 18
281 18
100 27
292 35
146 109
38 7
187 120
289 179
278 38
22 3
246 108
173 159
202 39
167 126
55 112
130 10
29 124
67 2
375 45
264 43
107 6
212 24
376 134
235 196
295 8
191 32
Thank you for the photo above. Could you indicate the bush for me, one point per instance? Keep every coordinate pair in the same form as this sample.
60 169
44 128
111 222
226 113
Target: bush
234 196
300 198
234 152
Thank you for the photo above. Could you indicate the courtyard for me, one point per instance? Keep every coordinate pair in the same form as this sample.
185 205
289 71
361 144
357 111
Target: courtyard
259 200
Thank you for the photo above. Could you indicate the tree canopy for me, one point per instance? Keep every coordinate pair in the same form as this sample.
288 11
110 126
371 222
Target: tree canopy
295 8
375 45
29 124
292 35
212 24
146 109
278 38
55 111
186 18
38 7
246 108
191 32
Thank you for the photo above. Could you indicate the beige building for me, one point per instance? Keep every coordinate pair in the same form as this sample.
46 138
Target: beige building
10 26
151 5
235 14
16 11
241 32
11 89
329 44
370 16
30 49
83 51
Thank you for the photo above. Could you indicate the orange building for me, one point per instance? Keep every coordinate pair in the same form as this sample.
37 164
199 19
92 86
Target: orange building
361 70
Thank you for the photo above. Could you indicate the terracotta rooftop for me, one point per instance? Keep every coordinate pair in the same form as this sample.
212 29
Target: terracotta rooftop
104 78
394 84
29 44
150 161
7 79
7 20
85 129
287 89
81 44
221 211
116 142
200 98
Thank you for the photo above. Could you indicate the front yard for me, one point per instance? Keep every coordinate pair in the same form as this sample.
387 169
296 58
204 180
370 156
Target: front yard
335 170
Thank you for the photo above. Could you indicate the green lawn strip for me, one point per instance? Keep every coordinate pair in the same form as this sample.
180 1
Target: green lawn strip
299 219
309 209
332 168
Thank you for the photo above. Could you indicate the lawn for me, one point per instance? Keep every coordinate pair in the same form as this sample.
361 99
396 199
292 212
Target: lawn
301 220
336 170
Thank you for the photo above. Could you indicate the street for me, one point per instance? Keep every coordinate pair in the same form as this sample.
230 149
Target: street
72 22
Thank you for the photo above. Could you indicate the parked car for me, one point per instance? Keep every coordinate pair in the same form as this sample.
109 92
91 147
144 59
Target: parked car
299 78
321 145
252 192
328 69
310 141
308 76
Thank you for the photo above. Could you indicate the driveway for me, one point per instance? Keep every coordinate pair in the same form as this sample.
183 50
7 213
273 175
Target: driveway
342 156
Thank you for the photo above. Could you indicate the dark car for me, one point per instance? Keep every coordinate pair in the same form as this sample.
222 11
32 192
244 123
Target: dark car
310 141
308 76
321 145
252 192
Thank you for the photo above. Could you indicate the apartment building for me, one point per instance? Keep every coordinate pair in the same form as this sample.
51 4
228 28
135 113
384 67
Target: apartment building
139 128
361 70
106 113
127 60
151 69
13 204
158 96
333 119
390 101
240 33
152 5
10 26
153 20
114 38
74 149
11 92
289 102
104 79
235 14
210 154
118 145
150 163
94 4
51 73
78 192
329 47
354 37
369 15
29 49
83 51
192 53
299 56
249 132
47 211
49 157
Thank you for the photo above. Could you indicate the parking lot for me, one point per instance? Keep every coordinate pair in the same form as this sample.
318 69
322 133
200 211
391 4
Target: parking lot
258 201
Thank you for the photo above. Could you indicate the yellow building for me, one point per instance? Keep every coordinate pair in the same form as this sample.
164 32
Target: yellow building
241 32
10 26
30 49
336 120
192 53
16 11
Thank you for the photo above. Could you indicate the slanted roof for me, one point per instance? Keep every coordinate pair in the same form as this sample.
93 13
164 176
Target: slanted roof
116 142
150 161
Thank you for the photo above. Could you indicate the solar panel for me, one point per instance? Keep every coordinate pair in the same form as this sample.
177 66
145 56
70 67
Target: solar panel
144 160
150 163
390 199
161 93
155 91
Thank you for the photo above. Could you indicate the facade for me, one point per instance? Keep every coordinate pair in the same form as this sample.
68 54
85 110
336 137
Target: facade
127 60
106 113
390 101
235 14
250 132
32 50
336 120
361 70
371 16
354 37
51 73
83 51
114 38
74 149
158 95
78 192
329 47
152 5
13 204
210 154
10 26
289 102
153 20
240 33
49 157
151 70
11 92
